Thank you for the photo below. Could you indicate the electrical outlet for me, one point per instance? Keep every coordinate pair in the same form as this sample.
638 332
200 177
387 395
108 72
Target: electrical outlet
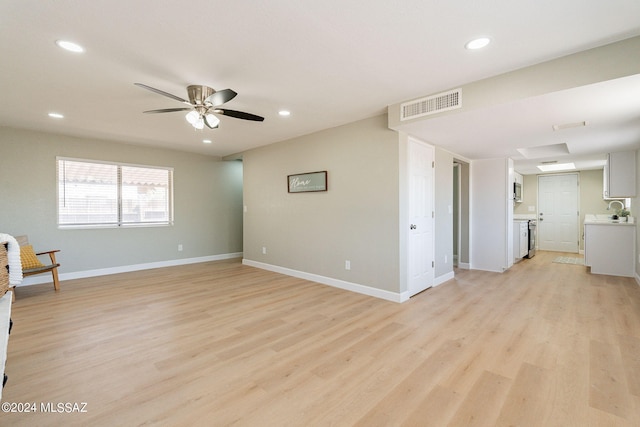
180 247
264 250
347 265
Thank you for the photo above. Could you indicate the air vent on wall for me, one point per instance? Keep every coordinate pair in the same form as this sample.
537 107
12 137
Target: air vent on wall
431 104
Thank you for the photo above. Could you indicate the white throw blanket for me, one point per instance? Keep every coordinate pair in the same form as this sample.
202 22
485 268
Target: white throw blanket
13 255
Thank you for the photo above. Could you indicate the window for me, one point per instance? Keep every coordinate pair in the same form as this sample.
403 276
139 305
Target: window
92 193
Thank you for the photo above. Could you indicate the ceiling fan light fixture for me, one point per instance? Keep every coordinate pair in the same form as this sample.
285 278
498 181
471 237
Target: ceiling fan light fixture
199 124
212 120
192 117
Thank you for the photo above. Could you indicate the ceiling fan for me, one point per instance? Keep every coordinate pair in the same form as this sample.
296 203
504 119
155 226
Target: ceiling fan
203 105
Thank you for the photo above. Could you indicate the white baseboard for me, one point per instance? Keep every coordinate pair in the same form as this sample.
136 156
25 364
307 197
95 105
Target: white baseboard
46 277
336 283
464 265
444 278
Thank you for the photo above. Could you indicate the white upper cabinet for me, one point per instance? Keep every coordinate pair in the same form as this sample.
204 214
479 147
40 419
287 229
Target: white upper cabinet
619 176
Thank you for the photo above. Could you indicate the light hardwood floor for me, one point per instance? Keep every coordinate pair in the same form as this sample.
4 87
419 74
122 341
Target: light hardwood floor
220 344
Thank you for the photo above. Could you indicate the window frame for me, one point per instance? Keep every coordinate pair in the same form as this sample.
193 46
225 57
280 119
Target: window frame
120 222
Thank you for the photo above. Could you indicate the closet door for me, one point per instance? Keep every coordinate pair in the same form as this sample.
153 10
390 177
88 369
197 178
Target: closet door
420 233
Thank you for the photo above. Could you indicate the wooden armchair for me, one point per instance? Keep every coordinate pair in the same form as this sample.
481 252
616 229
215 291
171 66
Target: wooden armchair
36 267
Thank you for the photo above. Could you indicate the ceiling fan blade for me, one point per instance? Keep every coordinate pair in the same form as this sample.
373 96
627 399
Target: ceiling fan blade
168 110
239 115
161 92
220 97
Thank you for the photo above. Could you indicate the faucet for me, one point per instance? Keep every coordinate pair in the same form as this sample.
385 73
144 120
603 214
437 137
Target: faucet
615 201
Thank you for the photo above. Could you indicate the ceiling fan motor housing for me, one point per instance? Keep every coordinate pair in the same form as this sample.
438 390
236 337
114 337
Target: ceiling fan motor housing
198 93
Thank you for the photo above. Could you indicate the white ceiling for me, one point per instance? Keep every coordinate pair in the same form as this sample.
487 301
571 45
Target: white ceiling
329 62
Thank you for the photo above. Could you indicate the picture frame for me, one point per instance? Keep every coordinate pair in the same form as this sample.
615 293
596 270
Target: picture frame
309 182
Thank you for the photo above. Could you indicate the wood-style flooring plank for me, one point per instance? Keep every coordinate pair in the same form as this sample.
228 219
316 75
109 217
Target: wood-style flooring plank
609 390
529 399
483 403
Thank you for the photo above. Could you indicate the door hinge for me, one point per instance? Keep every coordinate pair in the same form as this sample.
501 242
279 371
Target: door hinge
433 214
433 264
433 164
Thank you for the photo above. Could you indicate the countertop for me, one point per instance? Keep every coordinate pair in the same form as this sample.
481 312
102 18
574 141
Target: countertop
599 219
524 217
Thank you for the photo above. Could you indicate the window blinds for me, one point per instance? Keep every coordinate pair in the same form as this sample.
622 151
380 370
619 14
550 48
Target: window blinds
109 194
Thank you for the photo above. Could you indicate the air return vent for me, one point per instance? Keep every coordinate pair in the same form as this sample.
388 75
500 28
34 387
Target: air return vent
432 104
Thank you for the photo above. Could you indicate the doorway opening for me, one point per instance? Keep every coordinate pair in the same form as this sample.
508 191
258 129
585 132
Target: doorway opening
460 214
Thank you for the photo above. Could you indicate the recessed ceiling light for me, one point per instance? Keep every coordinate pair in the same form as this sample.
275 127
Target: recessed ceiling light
56 116
70 46
284 113
206 141
557 167
478 43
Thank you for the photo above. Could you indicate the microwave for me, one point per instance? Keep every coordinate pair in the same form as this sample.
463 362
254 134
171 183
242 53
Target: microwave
517 192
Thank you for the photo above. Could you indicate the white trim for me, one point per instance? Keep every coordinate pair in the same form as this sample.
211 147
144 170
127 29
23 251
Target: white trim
464 265
104 162
444 278
46 278
336 283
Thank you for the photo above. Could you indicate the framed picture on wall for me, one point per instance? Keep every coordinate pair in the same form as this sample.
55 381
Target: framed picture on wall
307 182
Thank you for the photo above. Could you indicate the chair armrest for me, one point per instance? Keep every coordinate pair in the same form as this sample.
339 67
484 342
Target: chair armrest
48 252
52 255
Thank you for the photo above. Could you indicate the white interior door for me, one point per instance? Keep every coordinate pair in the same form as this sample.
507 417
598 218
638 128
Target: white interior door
558 213
420 238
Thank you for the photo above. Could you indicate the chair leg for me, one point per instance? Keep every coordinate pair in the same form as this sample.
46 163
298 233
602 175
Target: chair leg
54 272
56 283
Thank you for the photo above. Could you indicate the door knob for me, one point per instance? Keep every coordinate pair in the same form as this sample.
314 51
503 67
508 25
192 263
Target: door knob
413 227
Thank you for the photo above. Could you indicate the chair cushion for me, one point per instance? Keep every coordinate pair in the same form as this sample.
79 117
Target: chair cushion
4 269
28 258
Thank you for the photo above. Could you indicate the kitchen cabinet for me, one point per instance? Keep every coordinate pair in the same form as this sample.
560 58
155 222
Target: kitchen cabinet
520 239
619 175
609 248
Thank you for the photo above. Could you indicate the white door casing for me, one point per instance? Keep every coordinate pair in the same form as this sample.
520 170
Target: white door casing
558 213
421 222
